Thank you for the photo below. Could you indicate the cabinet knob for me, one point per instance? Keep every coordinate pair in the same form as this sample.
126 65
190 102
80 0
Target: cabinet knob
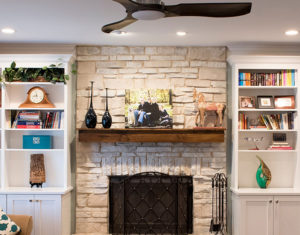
277 201
270 201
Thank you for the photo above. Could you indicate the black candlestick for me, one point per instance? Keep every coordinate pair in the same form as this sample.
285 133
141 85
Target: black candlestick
91 117
106 119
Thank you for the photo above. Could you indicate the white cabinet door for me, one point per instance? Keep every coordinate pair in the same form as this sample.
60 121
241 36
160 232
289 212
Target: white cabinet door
257 215
44 209
47 214
21 205
286 215
3 202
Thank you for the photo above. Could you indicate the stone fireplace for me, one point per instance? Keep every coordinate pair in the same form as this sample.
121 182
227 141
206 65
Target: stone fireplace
150 203
181 69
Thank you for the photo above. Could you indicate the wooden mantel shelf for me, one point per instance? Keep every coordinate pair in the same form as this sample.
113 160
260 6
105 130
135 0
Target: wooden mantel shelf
152 135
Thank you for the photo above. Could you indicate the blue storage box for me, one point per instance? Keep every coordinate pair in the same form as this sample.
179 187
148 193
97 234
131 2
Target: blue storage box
37 142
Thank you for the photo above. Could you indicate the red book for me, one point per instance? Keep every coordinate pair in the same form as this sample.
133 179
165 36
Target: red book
28 127
281 148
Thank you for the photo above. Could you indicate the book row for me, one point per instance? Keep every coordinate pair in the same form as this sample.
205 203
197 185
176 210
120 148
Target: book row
281 78
38 120
283 121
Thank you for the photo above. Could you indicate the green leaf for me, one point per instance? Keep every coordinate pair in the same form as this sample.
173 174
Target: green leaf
13 65
74 69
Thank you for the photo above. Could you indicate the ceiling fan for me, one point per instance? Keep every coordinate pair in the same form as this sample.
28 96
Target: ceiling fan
156 9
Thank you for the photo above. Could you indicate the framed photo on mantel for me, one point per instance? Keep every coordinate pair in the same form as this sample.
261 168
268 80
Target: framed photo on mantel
148 108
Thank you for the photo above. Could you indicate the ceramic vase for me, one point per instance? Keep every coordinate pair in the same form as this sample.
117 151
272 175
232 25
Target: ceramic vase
91 117
106 119
263 174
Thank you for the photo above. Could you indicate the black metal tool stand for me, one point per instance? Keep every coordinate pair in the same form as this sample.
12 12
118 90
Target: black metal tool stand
218 223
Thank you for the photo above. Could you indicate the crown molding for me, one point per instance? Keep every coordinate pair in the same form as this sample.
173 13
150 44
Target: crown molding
36 48
264 49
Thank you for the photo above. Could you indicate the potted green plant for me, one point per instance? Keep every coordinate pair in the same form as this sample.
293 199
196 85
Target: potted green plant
46 74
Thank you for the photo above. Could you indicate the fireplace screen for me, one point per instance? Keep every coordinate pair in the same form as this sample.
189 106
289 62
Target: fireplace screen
151 203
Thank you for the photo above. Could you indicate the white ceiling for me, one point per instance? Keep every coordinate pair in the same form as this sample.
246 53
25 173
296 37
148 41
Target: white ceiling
80 22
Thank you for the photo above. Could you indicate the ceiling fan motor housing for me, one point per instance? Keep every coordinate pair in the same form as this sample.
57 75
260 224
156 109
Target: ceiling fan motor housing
148 1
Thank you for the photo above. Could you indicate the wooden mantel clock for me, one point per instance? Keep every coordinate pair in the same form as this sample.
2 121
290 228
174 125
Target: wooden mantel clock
37 98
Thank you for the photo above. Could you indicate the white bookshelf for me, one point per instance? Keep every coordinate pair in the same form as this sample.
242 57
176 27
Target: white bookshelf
15 161
251 204
52 202
244 162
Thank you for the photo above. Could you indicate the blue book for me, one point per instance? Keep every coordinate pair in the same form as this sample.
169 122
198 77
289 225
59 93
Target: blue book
240 79
59 118
36 123
293 77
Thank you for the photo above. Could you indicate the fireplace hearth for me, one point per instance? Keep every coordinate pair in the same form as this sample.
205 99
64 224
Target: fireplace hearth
150 203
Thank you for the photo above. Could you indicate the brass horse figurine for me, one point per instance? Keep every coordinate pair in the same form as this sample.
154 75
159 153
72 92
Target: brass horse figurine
203 106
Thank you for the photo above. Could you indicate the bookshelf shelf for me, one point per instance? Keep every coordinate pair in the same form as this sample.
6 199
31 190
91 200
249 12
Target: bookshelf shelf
267 87
33 83
15 129
37 109
268 110
267 151
268 191
34 150
258 130
28 190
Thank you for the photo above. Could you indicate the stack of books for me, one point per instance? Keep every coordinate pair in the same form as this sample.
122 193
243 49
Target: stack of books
27 120
281 78
280 146
280 142
38 120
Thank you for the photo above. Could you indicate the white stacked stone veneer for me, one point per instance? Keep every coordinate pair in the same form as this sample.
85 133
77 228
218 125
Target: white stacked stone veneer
118 68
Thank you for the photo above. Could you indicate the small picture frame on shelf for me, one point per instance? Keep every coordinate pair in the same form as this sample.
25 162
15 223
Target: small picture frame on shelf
247 102
285 102
265 102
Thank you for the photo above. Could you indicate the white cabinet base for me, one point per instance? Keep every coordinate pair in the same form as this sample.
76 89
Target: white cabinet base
265 215
49 212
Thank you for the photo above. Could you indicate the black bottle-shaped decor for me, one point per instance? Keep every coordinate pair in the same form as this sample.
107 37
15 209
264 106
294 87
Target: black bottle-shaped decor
91 117
106 119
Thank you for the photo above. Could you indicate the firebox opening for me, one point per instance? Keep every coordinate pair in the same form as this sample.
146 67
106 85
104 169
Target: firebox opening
151 203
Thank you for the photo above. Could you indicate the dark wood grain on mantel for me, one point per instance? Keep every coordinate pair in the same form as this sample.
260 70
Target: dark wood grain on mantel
152 135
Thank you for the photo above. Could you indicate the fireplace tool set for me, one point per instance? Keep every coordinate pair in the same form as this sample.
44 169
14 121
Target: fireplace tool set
219 204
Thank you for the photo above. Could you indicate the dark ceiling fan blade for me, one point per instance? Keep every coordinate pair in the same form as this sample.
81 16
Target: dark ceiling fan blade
118 25
128 4
208 9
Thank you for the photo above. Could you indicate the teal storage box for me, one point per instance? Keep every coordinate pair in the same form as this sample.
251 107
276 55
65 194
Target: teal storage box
37 142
